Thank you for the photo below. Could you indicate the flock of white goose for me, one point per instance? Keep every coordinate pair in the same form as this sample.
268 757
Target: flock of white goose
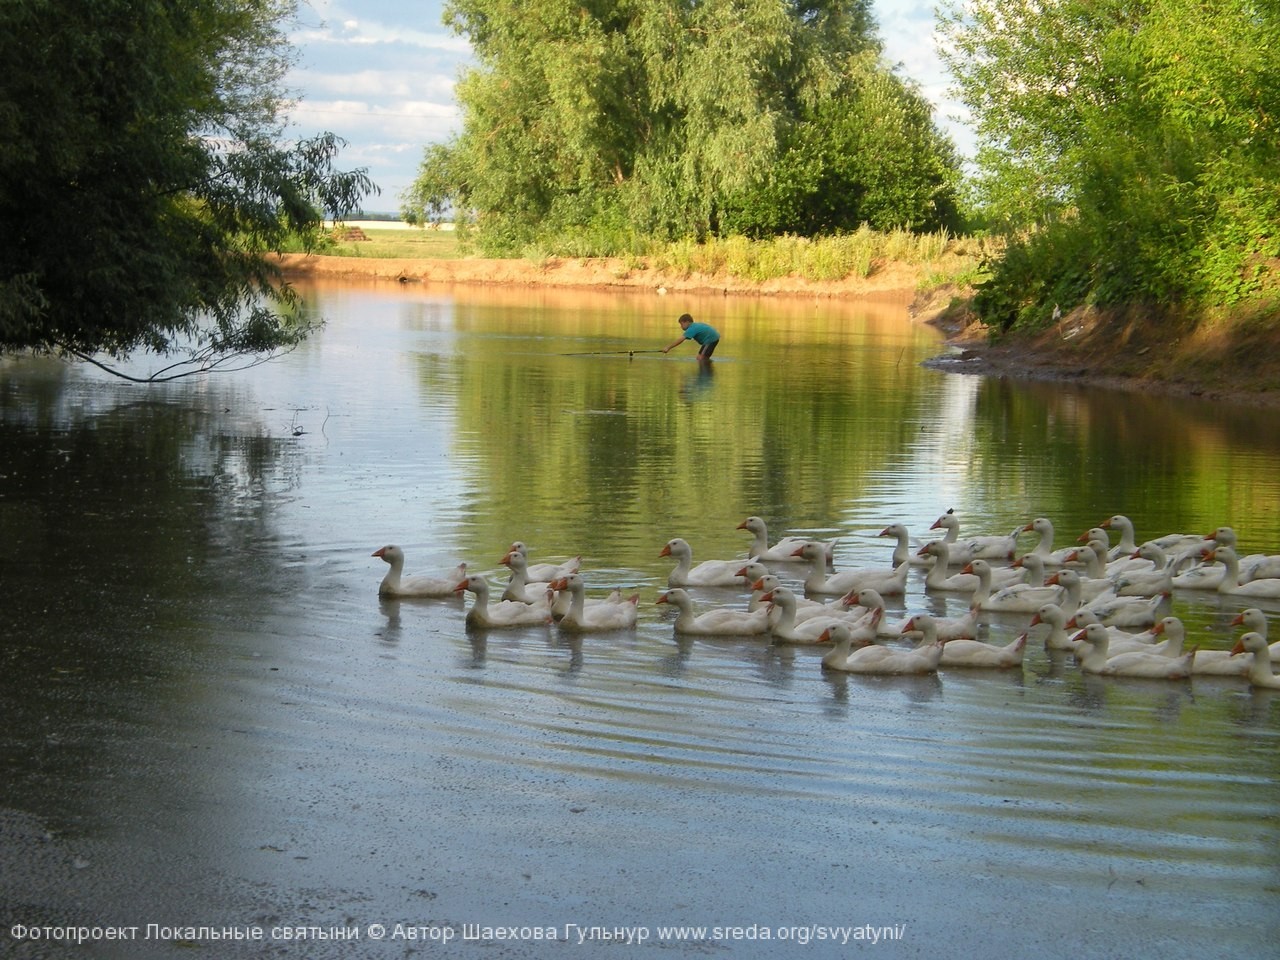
1097 600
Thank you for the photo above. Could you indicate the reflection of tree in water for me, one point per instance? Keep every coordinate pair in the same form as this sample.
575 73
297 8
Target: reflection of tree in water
135 522
697 385
1183 449
135 492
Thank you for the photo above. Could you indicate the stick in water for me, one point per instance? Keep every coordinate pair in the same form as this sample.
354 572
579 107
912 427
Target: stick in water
608 353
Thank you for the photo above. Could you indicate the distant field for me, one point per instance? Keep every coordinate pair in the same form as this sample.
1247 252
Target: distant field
392 239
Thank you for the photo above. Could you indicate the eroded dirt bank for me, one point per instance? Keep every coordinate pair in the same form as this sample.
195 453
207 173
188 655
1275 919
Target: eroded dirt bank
1236 360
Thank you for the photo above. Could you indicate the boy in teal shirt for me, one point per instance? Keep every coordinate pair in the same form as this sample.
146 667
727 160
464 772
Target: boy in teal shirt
703 334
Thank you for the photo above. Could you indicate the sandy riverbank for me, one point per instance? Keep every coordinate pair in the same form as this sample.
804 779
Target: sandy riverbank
897 281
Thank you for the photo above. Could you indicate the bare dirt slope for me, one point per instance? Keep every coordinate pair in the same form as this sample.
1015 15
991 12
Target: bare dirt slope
1132 349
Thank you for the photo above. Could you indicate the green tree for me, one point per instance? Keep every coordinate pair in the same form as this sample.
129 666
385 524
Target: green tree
1130 147
143 177
674 118
868 155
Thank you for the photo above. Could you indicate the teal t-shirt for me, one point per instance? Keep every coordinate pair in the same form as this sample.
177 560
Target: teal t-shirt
701 333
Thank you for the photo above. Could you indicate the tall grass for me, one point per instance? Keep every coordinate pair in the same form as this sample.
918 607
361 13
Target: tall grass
824 258
820 259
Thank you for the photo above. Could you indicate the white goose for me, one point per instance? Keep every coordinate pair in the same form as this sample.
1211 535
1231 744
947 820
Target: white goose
902 551
1176 543
937 576
942 628
1171 543
1093 656
1015 598
1127 611
879 659
964 549
561 601
1090 557
1231 584
502 613
598 618
861 604
1255 566
395 584
805 607
1217 663
1122 640
753 573
1255 621
1124 551
888 582
1026 569
781 552
1111 564
1088 565
846 640
1043 549
1126 546
1260 674
786 629
519 587
1069 581
1148 581
720 621
545 572
1053 616
950 528
968 652
1191 571
708 573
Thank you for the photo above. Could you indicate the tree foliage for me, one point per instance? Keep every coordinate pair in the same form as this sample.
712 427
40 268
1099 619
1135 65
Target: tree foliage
1141 137
681 118
143 175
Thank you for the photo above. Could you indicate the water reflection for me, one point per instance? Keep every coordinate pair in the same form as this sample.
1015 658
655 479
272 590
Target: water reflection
198 671
698 383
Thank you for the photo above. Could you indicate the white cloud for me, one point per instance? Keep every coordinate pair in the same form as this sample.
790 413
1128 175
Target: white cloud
910 37
380 85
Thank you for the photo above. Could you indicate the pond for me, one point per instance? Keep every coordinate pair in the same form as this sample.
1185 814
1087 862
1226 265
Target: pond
214 725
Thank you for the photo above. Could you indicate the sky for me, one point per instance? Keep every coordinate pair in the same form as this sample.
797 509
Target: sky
380 75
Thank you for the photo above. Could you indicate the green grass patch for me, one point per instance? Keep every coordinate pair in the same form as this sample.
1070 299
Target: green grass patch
389 244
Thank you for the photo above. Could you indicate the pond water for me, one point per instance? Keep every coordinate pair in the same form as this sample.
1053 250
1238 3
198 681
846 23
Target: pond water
212 721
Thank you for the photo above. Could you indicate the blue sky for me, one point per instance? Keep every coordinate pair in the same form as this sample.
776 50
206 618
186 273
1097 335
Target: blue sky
380 74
